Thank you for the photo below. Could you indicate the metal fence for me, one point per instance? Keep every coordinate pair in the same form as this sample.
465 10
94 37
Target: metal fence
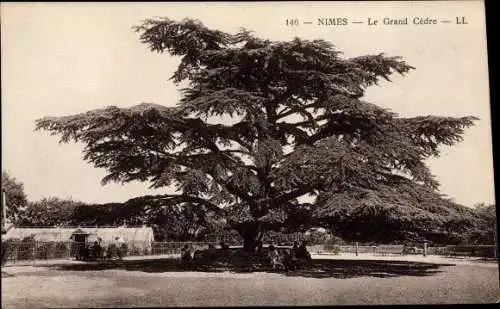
36 250
486 251
168 248
42 250
14 250
353 249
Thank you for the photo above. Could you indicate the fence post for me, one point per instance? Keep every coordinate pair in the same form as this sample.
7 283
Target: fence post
4 209
16 252
495 250
425 248
34 250
357 248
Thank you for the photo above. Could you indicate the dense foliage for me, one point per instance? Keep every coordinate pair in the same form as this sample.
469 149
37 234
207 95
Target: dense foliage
48 212
263 123
178 222
485 231
15 197
169 222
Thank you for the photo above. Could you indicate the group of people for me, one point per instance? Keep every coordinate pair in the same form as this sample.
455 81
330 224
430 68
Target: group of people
93 251
96 250
298 255
187 257
292 259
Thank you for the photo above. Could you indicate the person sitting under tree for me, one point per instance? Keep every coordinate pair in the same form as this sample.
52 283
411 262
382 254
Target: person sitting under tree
120 244
290 260
274 256
302 253
295 248
224 246
96 250
260 246
186 258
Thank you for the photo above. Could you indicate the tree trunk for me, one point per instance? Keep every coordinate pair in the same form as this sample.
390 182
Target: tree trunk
251 235
250 243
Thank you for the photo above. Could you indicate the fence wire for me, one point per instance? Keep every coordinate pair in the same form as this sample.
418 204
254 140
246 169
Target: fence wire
13 250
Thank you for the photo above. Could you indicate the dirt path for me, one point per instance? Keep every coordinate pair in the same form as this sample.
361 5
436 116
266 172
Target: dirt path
348 283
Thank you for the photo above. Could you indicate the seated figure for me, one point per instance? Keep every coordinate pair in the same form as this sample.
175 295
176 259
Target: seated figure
186 258
302 253
274 256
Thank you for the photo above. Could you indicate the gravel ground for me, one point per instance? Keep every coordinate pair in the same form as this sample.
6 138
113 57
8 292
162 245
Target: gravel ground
351 282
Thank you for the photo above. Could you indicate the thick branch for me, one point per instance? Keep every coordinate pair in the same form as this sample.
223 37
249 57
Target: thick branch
299 191
180 198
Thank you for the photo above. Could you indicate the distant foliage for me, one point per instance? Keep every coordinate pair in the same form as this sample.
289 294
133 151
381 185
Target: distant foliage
170 222
299 126
16 198
486 227
49 212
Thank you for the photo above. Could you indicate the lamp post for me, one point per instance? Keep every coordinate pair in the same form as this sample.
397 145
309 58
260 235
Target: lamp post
495 238
4 209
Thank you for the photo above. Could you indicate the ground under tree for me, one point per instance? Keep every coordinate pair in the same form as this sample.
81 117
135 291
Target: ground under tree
298 126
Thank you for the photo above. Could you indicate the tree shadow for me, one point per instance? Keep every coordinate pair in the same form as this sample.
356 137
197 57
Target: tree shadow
148 266
6 275
321 268
485 260
344 269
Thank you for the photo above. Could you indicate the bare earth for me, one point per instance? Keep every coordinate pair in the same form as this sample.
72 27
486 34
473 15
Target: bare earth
342 281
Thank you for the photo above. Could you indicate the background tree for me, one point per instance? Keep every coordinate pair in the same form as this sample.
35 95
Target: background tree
48 212
169 221
186 222
298 128
16 198
484 232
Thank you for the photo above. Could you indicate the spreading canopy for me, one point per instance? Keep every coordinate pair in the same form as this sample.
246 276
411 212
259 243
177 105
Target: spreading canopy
263 123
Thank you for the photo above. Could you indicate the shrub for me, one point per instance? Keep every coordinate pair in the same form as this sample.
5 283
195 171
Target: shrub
51 250
112 250
7 249
335 249
124 249
61 250
135 251
45 250
26 248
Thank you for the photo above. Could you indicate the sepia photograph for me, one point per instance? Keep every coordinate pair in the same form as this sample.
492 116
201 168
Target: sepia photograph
211 154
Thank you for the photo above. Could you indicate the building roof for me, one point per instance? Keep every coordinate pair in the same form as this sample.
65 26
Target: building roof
107 234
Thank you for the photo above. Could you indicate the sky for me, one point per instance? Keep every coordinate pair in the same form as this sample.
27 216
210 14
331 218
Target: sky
65 58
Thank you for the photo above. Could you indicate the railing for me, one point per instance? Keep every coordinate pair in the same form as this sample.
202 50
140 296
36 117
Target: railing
360 249
473 251
14 250
486 251
36 250
167 248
